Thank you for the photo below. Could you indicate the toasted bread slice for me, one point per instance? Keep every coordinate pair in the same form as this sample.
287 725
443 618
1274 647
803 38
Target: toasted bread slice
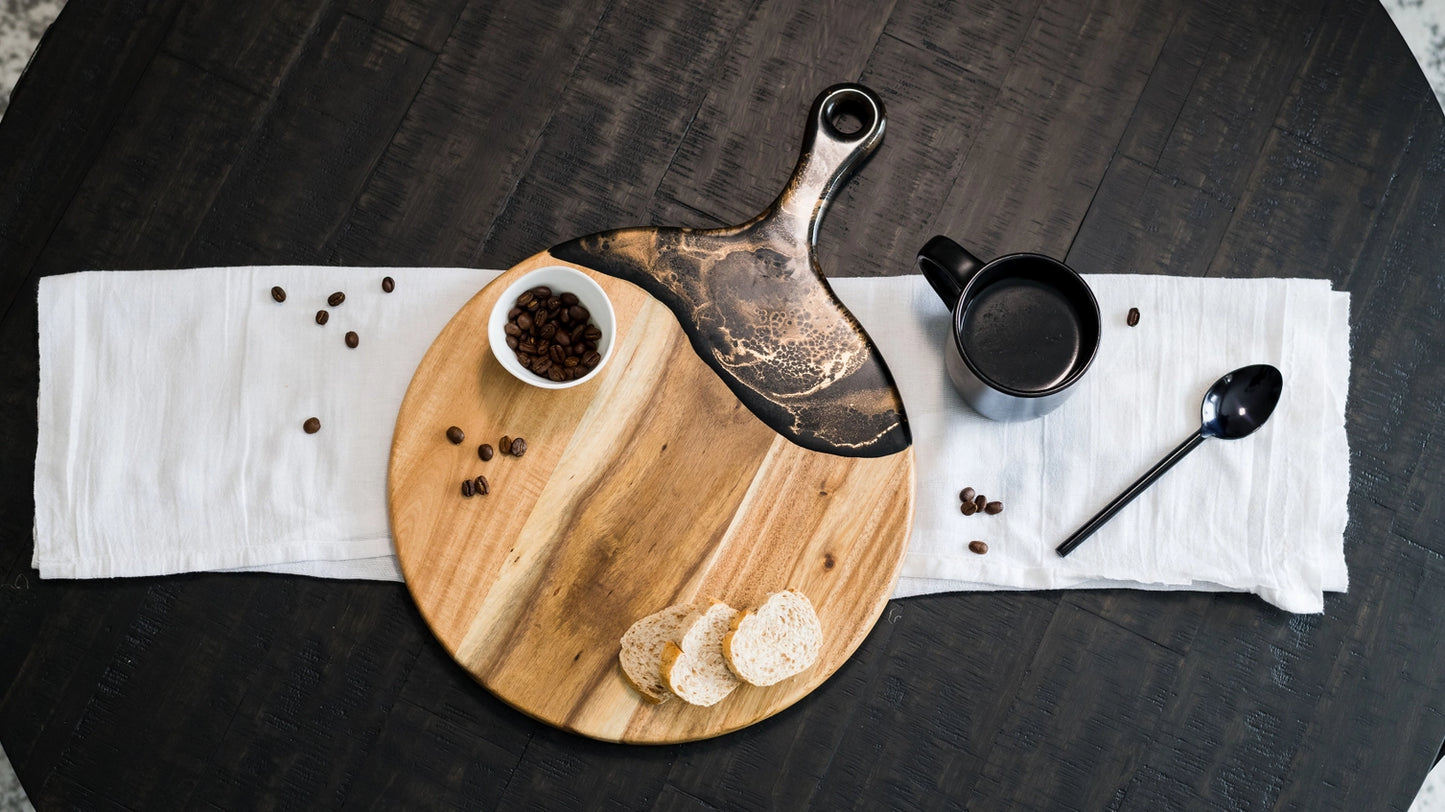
780 638
642 644
693 668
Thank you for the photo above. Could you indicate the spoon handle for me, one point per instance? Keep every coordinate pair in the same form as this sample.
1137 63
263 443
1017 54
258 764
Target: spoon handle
1129 493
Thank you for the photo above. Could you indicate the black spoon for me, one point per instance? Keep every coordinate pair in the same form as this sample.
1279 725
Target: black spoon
1234 407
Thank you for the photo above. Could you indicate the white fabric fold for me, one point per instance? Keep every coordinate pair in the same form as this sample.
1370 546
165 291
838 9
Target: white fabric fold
171 405
1265 514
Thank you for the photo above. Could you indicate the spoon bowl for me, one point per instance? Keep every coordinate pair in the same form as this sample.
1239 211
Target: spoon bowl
1234 407
1240 402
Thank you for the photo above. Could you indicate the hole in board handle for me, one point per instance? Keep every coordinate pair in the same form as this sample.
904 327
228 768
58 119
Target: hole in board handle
849 115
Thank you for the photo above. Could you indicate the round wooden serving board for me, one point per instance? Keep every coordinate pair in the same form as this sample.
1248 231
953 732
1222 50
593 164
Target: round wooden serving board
653 482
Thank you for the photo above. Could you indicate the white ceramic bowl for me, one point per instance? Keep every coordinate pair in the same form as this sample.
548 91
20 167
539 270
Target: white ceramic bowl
560 279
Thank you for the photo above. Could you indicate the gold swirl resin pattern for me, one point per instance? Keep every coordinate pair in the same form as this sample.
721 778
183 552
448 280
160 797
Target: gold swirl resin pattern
758 310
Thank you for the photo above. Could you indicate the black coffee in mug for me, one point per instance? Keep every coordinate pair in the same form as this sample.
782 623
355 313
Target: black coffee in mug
1025 328
1023 334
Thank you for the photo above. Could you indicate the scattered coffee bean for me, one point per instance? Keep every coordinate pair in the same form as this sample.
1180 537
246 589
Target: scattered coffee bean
484 451
1133 316
975 502
352 339
518 447
456 435
278 293
312 425
553 336
468 488
322 316
336 298
481 486
388 284
505 445
977 547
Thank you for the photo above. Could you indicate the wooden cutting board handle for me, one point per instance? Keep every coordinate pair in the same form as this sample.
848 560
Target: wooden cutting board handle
756 306
830 156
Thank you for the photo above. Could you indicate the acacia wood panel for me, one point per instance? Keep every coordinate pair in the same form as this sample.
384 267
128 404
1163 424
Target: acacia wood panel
290 192
100 55
781 57
648 486
1029 176
611 136
468 136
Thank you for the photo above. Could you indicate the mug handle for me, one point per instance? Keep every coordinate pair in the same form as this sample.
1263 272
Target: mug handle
948 268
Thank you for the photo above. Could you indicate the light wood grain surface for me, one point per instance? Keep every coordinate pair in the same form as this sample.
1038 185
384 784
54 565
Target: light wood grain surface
647 486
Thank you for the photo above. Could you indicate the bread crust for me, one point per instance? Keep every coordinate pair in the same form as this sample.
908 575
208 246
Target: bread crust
642 647
702 652
779 639
694 668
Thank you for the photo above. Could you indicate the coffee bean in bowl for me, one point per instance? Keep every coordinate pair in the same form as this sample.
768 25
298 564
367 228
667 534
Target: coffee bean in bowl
552 327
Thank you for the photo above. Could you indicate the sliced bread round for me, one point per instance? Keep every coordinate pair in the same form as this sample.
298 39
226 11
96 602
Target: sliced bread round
642 644
694 668
780 638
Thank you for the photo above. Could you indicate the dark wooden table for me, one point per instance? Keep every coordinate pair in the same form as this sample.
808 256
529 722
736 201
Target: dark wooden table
1231 138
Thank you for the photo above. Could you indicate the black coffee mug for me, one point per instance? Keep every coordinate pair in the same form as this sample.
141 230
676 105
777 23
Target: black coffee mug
1025 328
